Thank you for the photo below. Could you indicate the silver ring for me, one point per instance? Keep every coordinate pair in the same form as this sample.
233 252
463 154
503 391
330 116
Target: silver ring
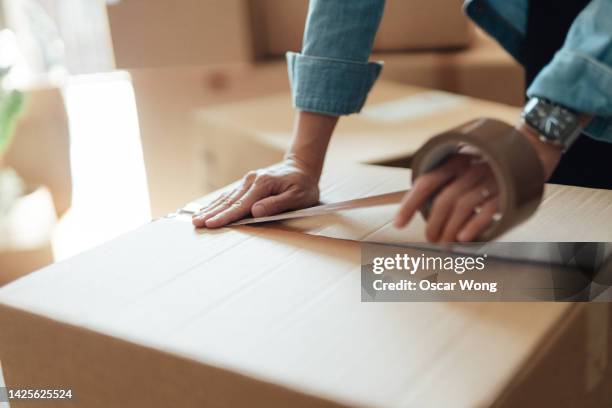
496 217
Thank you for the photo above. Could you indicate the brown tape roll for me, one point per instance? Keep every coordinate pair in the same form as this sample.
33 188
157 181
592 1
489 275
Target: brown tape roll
514 161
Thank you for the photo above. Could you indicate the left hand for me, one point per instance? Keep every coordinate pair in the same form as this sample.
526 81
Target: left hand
466 193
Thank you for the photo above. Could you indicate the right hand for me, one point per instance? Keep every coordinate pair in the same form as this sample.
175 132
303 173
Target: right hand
264 192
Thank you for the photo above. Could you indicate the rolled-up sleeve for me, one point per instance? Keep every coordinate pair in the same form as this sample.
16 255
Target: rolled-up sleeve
580 74
332 74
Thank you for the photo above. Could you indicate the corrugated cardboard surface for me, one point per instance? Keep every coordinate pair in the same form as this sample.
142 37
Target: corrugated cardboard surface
397 120
573 214
167 314
406 25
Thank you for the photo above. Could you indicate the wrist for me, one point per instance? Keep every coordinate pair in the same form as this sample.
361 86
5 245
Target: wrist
548 153
307 165
312 133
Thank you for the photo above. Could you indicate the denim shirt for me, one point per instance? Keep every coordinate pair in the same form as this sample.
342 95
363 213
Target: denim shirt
333 75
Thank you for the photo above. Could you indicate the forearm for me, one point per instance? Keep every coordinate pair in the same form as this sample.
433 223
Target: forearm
311 135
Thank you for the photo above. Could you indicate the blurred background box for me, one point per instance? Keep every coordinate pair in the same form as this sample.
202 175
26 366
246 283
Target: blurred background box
484 70
173 33
397 120
406 25
40 151
166 98
25 234
17 263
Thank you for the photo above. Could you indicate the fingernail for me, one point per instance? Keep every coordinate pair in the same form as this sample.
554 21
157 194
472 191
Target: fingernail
199 217
462 237
258 210
212 220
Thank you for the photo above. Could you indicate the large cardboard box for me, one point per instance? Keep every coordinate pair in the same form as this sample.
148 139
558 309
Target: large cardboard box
398 119
484 70
406 25
265 316
188 32
166 98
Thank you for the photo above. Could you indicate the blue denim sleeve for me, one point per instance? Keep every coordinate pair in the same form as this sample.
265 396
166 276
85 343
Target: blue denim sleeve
332 74
580 74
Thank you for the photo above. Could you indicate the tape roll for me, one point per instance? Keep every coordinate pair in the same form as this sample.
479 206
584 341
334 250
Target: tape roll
513 160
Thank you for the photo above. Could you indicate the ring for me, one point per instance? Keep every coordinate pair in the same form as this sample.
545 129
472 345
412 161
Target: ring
477 210
486 193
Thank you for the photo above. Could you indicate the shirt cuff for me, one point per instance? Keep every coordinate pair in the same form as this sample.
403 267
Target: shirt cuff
576 81
330 86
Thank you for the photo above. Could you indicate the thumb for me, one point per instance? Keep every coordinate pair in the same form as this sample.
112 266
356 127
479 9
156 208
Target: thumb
276 204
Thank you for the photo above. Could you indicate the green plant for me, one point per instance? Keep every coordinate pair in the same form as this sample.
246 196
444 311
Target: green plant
11 102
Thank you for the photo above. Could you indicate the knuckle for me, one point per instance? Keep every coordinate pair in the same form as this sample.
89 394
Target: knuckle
271 207
250 176
430 177
263 178
464 204
441 201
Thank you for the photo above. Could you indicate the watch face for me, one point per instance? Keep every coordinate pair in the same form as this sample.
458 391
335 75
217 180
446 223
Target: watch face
552 121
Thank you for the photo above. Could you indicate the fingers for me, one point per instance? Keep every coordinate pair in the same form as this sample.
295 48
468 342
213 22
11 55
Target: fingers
272 205
480 221
444 202
425 186
238 209
232 198
464 206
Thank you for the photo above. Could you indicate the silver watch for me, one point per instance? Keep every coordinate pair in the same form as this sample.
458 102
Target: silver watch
554 123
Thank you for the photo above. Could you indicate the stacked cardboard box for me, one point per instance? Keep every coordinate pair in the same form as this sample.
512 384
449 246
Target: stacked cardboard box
192 32
406 25
484 70
40 151
25 235
169 316
398 119
166 98
188 32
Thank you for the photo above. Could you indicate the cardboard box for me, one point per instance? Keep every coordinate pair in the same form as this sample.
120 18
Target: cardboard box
169 316
40 152
190 32
406 25
25 235
243 136
166 98
484 70
17 263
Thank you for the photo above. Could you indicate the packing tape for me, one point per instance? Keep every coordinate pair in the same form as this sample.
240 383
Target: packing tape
513 160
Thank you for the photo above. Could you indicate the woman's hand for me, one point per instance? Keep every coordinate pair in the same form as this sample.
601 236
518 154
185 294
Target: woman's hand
281 187
289 185
465 193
